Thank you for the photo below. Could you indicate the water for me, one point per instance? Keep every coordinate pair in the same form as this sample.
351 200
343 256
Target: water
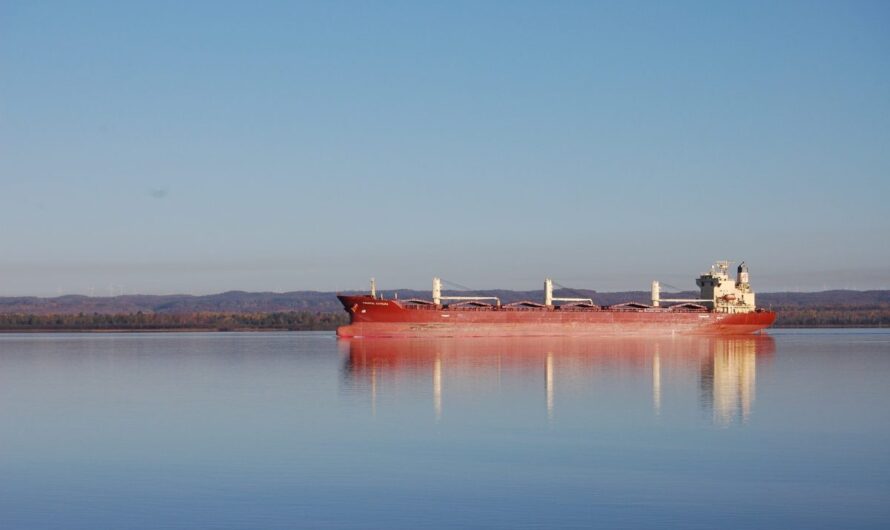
286 430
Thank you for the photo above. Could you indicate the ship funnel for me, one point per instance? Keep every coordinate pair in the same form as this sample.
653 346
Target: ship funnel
437 291
656 293
373 288
743 274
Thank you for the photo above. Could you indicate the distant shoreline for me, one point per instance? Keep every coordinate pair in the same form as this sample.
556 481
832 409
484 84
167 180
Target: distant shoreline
171 322
239 302
271 330
155 330
103 331
316 311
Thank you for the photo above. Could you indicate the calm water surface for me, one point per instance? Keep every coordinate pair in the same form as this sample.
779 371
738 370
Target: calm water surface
285 430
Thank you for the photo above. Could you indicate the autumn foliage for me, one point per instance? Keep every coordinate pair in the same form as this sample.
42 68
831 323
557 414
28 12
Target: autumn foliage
139 321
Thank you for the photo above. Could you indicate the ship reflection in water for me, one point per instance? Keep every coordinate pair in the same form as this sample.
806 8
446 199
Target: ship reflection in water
720 370
728 377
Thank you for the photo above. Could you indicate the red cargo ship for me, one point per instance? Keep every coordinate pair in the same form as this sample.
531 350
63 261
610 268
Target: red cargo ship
725 307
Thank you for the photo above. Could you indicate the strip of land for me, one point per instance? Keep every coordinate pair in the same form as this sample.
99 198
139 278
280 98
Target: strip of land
314 310
278 321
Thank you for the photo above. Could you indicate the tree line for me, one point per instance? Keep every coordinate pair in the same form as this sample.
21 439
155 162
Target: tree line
833 317
788 317
290 320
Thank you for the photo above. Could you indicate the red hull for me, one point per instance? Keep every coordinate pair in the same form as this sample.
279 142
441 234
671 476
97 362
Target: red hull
373 317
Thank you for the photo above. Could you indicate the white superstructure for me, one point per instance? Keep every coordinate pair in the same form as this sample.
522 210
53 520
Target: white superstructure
724 295
718 291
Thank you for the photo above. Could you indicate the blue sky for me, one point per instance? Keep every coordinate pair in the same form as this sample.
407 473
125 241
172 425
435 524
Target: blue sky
199 147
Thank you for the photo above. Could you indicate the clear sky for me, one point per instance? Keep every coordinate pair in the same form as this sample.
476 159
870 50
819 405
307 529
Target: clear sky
199 147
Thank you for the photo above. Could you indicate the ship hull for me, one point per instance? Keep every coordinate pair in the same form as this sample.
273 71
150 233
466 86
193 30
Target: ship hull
371 317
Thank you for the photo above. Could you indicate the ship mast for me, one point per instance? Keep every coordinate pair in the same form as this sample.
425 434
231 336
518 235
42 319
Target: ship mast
549 298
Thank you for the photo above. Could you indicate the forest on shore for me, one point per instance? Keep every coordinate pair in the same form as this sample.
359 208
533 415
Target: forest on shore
203 321
788 317
833 317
